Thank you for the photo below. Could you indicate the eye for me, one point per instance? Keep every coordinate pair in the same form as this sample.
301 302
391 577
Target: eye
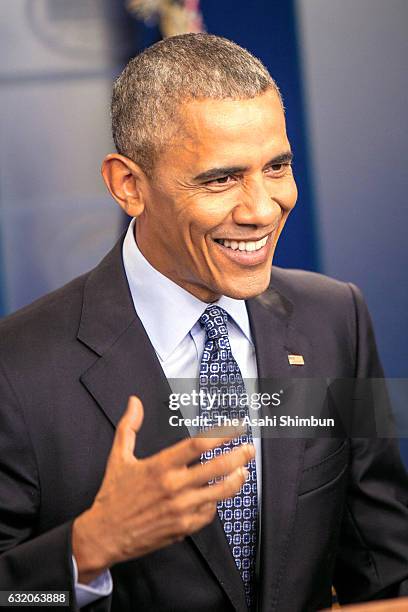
222 180
277 169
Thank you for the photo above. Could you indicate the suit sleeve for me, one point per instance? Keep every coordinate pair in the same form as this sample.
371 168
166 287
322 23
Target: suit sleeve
29 560
373 558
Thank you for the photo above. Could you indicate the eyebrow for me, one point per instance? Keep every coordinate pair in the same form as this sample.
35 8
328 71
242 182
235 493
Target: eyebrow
214 173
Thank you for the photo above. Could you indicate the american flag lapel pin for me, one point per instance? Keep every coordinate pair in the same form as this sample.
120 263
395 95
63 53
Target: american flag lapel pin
296 360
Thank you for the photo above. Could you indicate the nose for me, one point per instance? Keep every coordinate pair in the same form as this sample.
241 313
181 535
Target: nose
256 205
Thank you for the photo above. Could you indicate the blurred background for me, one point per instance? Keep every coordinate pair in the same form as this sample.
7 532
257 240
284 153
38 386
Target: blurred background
341 66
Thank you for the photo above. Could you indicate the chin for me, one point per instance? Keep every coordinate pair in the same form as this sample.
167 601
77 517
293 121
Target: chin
246 289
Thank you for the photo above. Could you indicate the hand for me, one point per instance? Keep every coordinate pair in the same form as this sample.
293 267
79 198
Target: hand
146 504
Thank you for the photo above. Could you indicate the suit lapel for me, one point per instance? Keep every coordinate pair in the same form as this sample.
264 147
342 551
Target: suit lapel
282 458
127 365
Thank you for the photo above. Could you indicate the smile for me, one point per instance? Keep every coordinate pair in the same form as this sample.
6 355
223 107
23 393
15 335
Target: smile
244 245
245 252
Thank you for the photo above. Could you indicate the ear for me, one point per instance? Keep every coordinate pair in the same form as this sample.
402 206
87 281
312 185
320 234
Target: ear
125 181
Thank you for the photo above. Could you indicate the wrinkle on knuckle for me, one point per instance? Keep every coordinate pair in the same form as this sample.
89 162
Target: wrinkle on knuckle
168 484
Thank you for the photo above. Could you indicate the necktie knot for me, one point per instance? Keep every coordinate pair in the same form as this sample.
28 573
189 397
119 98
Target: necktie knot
214 320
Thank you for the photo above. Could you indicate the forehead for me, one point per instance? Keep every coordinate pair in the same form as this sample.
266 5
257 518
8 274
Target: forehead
224 131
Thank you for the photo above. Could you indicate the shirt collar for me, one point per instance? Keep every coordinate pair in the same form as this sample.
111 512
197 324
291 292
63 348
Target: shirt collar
167 311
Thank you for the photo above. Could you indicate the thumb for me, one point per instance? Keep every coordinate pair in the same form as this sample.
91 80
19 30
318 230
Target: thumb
128 427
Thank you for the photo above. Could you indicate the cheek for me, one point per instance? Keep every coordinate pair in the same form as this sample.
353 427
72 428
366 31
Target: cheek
193 229
206 216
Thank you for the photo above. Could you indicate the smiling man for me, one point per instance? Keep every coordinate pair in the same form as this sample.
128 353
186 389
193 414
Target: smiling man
211 209
146 517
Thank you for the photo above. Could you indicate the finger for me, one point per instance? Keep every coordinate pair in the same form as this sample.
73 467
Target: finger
128 427
195 499
186 451
196 519
175 480
222 465
228 486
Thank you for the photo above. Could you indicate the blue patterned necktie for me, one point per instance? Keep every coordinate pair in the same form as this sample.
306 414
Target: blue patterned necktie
220 376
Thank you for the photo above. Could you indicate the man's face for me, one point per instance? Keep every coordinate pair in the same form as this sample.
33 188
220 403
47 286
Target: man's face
219 198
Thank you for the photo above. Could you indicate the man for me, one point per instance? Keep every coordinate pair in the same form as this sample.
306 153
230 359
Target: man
127 520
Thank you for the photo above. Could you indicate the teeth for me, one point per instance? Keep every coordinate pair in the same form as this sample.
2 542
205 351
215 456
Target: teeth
243 245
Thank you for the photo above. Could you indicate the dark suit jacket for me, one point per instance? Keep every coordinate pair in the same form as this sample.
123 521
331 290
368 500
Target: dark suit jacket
333 511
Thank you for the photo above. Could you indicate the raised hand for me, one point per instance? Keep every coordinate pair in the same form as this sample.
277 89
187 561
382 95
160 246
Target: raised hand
146 504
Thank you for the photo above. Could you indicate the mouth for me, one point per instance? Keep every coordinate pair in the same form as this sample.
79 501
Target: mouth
246 252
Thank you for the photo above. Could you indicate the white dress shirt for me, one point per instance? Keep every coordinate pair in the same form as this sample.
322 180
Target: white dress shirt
170 317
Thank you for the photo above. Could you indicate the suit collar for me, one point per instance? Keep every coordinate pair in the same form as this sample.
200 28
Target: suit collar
127 363
107 308
269 315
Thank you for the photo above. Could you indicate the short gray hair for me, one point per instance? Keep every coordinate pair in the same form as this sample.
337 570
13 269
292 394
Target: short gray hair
148 93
